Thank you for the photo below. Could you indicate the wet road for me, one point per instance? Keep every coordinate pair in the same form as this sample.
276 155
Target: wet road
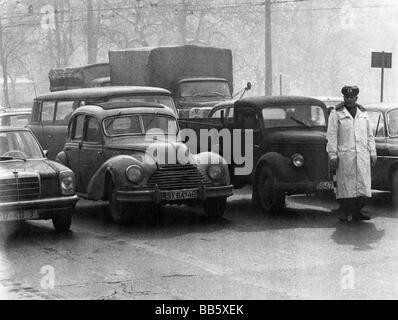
304 253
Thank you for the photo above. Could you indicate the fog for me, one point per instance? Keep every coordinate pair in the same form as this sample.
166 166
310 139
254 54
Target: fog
317 45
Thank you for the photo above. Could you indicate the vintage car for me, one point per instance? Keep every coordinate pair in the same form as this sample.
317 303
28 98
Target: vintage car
31 186
384 120
115 155
289 146
17 118
51 111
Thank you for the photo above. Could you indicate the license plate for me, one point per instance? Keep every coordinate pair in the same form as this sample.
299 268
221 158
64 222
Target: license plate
328 185
18 215
179 195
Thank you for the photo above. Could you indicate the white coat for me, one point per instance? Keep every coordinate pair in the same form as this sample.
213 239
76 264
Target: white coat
351 141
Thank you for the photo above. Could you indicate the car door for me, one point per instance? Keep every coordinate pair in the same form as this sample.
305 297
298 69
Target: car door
55 133
250 150
73 146
380 170
91 151
34 122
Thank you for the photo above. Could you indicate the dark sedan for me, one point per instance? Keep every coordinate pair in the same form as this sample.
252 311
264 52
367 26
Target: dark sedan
31 186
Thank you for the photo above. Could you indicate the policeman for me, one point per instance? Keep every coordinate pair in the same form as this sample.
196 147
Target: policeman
352 152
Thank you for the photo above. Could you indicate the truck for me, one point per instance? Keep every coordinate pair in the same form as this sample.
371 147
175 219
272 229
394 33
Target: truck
277 144
87 76
197 76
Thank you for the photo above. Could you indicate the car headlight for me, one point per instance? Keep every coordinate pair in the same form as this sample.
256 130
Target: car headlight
214 172
134 173
297 160
67 182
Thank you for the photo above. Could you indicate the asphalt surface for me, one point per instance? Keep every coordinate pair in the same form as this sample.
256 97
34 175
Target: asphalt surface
304 253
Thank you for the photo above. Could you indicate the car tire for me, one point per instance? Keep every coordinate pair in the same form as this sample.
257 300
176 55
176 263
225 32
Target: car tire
62 221
270 200
214 208
394 190
117 211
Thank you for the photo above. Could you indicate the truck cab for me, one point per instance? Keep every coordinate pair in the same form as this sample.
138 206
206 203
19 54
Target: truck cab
192 95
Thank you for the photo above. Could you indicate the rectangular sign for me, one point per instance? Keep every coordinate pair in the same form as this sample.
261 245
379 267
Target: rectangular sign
381 59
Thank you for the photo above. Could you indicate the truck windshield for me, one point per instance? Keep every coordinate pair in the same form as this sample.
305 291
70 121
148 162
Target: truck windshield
293 116
165 100
203 90
140 125
18 145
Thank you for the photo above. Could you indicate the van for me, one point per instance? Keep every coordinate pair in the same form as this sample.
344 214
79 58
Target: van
51 111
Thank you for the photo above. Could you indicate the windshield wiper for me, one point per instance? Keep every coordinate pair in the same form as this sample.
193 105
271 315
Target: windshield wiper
300 122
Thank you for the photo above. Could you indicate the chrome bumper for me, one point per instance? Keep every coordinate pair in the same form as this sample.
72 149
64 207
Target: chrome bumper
61 203
155 195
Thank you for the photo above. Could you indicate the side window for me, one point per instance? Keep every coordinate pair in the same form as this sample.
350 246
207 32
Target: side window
250 121
64 111
47 112
318 116
78 125
93 132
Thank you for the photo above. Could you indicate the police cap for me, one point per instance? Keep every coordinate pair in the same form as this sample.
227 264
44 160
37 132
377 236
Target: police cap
350 91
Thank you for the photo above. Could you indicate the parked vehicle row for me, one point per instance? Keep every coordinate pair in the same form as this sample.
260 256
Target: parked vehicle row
100 136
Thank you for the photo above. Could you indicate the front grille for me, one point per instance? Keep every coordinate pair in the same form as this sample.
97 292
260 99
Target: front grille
19 188
316 163
177 176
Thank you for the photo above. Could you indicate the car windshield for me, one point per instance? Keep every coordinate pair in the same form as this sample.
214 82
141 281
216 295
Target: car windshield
293 116
19 145
200 90
140 125
392 122
161 99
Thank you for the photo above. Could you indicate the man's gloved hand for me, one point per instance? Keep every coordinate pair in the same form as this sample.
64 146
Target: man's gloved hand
334 163
373 160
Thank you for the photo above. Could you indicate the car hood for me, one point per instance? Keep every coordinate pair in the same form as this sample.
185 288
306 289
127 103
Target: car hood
297 137
44 167
158 150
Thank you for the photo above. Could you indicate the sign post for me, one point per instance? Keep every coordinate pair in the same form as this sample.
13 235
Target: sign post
381 60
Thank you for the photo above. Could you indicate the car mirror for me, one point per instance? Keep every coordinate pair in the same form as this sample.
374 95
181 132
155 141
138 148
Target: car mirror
248 86
45 153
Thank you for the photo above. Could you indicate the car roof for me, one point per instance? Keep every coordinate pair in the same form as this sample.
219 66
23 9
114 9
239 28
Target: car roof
100 92
6 129
324 98
15 113
382 106
262 101
102 110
